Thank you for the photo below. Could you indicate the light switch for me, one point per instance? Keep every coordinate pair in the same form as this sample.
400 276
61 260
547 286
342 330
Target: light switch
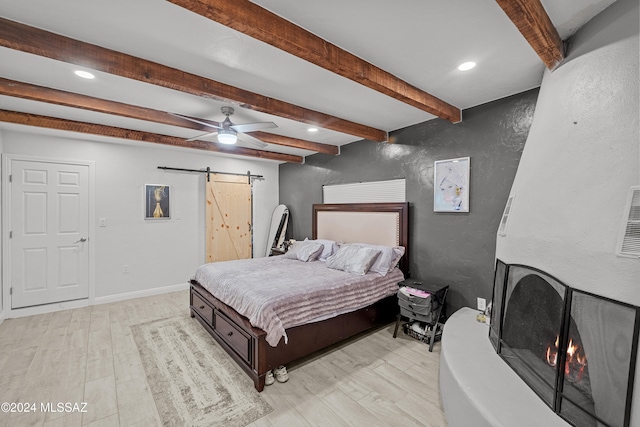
103 222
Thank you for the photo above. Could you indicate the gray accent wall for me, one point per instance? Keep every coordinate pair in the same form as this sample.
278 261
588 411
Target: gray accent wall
449 248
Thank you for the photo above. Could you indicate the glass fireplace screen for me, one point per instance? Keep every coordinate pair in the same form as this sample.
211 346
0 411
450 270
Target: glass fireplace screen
576 350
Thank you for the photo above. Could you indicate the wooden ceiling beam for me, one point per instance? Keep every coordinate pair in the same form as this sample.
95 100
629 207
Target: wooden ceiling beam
273 138
68 99
261 24
134 135
15 35
533 22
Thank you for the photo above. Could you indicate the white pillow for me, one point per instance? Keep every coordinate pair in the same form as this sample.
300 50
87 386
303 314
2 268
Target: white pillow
329 248
388 259
353 259
304 251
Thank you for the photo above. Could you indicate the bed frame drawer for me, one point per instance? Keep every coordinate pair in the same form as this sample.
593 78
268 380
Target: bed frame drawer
202 308
233 336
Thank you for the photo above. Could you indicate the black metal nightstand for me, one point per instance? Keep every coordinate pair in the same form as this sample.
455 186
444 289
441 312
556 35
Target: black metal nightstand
411 308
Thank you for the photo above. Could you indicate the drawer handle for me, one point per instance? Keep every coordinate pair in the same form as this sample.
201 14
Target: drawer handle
230 333
202 307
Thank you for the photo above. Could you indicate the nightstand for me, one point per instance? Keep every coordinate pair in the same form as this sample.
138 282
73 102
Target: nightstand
424 309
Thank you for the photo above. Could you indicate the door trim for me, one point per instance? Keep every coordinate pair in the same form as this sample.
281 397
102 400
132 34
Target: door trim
7 311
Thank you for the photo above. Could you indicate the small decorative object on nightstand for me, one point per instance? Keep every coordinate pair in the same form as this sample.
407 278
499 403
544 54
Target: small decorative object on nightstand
282 249
277 251
424 303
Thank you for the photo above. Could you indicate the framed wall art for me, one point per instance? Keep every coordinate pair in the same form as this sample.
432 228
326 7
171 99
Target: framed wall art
451 185
157 201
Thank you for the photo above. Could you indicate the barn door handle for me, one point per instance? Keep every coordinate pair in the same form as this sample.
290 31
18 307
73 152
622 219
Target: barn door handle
82 240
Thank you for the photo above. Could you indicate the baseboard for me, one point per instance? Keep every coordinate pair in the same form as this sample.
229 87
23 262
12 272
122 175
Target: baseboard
140 294
47 308
66 305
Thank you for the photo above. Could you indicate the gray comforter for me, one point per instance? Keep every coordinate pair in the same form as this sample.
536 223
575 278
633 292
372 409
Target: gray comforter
275 293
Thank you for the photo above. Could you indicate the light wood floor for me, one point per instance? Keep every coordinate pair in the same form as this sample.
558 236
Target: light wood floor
89 355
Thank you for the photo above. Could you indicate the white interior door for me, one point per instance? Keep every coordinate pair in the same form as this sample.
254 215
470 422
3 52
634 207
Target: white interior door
48 232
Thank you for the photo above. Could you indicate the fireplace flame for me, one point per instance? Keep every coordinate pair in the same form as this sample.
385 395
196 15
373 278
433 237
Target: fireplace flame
575 361
552 357
571 349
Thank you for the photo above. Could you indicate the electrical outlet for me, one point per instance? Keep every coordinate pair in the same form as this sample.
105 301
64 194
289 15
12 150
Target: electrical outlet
482 304
125 269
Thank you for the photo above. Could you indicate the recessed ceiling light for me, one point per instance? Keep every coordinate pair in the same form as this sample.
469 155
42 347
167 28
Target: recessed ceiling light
312 130
84 74
466 66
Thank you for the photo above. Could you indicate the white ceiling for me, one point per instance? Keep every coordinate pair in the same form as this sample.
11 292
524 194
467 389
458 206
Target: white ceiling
420 41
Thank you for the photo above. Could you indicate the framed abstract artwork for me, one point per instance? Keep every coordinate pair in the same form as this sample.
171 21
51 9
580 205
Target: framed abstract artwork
157 201
451 185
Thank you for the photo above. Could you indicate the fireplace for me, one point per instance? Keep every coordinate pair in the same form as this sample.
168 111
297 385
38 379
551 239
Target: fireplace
576 350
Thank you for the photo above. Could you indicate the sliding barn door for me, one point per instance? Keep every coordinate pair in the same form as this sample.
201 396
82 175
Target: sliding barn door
228 218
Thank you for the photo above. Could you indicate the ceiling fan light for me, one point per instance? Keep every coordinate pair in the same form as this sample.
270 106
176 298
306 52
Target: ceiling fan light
466 66
227 136
84 74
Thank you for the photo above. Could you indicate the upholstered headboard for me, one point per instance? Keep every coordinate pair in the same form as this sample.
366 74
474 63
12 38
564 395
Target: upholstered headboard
374 223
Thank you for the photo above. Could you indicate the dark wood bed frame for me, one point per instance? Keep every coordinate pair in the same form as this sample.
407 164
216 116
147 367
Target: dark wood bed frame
247 345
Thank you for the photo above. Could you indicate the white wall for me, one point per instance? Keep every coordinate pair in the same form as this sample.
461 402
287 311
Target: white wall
2 312
159 253
581 157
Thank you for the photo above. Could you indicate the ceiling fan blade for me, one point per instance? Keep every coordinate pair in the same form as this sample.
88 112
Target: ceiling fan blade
202 136
208 123
250 127
250 140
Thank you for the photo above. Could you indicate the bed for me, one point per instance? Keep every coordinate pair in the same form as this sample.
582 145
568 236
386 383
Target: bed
295 334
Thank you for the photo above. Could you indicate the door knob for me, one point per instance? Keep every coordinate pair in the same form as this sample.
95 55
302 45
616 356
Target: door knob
82 240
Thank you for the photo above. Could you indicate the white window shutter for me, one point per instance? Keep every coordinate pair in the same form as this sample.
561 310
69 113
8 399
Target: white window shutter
502 229
629 241
390 191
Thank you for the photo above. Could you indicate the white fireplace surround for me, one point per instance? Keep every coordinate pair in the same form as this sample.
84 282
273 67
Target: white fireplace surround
478 388
570 191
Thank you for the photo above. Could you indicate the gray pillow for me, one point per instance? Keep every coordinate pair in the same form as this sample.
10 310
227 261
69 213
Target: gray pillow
304 251
353 259
388 259
330 247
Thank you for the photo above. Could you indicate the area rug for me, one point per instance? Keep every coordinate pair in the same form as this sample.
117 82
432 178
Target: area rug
193 381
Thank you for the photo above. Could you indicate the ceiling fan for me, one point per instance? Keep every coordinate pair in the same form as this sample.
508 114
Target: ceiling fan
227 131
